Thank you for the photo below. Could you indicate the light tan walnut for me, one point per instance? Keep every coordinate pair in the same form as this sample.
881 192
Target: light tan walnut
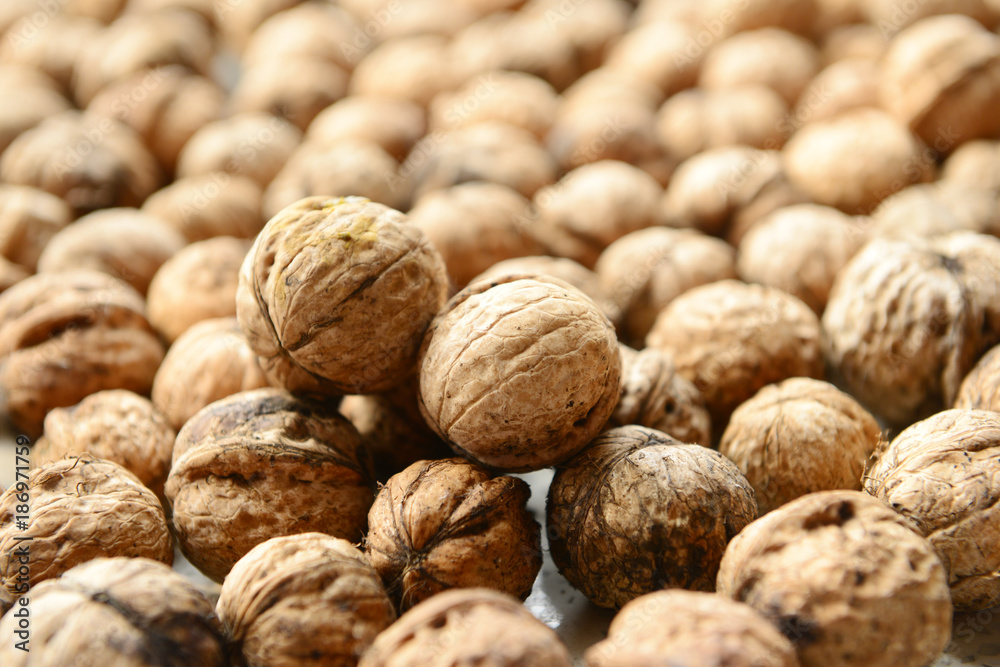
29 218
394 125
209 205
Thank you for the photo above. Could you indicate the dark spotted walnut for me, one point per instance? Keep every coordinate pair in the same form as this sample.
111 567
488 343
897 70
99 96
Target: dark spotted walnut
637 511
452 524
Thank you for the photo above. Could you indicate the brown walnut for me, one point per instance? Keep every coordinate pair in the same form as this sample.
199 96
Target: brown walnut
209 205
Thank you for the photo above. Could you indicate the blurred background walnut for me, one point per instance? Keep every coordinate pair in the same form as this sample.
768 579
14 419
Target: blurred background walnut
212 204
29 218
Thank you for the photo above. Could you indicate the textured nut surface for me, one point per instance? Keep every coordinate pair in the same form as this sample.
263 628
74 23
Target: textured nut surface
846 579
66 335
976 164
308 599
451 524
395 125
980 390
797 437
697 629
29 218
730 339
132 612
655 395
936 209
940 296
941 473
198 283
115 425
637 511
267 86
460 627
849 83
26 106
262 464
335 294
519 374
209 205
81 508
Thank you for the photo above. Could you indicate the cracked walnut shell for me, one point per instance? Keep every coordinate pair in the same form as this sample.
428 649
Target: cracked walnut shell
335 295
637 511
308 599
519 374
452 524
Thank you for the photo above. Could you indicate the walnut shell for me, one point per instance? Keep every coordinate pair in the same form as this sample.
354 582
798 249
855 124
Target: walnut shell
592 29
64 336
414 69
980 390
798 16
975 164
89 161
335 294
198 283
54 48
308 599
237 21
209 361
114 425
252 144
849 83
939 473
637 511
846 579
209 205
420 17
29 218
593 206
656 396
730 339
262 464
459 627
519 374
131 612
10 274
940 296
105 11
895 15
941 77
26 107
935 209
856 159
81 508
395 125
645 270
515 98
321 31
164 105
855 40
797 437
658 53
694 630
123 242
800 250
267 86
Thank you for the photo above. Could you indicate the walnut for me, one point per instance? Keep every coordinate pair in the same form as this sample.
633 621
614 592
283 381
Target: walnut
115 425
939 474
348 168
267 86
421 17
519 374
413 68
239 474
81 508
138 41
105 11
698 119
459 627
693 629
637 511
893 14
164 105
197 283
393 428
941 77
252 144
309 30
771 56
645 270
935 209
592 29
655 395
856 159
846 579
800 250
856 40
593 206
122 611
658 53
451 524
303 599
66 335
606 84
475 225
25 107
940 296
29 218
209 361
723 191
849 83
395 125
89 161
211 204
204 8
798 16
797 437
515 98
237 21
335 294
975 164
487 151
10 273
730 339
122 242
980 390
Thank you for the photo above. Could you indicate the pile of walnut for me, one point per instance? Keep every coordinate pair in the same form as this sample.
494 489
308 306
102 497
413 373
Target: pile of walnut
302 287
